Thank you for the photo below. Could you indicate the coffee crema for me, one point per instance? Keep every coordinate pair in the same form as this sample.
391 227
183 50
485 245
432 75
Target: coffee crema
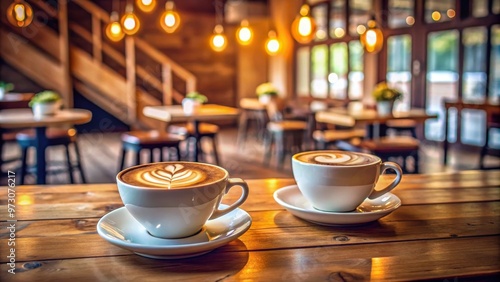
335 158
171 175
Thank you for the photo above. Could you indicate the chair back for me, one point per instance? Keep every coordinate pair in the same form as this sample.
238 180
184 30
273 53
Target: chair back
276 108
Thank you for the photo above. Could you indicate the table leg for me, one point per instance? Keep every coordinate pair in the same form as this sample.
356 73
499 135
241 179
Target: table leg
445 141
41 145
196 124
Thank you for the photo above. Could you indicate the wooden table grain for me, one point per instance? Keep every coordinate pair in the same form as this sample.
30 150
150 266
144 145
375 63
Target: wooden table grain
447 228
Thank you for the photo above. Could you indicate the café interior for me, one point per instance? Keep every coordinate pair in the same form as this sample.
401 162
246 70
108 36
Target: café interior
90 88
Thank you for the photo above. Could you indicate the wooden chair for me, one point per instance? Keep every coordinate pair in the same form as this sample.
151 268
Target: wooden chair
55 137
136 141
253 118
207 131
285 135
492 122
394 148
330 137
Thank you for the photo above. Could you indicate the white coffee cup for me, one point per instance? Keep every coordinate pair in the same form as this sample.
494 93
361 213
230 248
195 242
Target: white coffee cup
175 199
339 181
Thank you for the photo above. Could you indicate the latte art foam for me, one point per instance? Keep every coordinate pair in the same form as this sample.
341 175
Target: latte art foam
339 158
171 176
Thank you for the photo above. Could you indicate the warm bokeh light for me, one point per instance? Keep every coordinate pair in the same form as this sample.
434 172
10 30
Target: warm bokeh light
360 29
304 26
410 20
130 22
114 29
339 32
20 14
170 19
146 5
244 34
450 13
373 39
218 40
436 16
273 45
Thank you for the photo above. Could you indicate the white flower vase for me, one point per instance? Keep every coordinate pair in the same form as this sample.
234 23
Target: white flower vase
384 108
2 93
190 106
45 109
265 99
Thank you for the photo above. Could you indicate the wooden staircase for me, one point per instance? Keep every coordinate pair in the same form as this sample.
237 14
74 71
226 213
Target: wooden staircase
46 56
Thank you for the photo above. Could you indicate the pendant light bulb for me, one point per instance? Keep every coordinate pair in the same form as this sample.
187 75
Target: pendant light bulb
304 26
170 19
146 5
20 14
373 38
273 45
130 22
114 29
218 40
244 34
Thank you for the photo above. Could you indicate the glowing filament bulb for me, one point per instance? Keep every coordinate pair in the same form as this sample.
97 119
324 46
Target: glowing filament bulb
20 12
244 33
218 42
170 19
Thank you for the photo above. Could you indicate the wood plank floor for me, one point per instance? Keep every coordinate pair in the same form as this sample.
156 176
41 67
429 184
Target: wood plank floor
100 153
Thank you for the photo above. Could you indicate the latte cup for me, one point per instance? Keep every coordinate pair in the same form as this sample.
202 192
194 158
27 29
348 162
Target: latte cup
339 181
176 199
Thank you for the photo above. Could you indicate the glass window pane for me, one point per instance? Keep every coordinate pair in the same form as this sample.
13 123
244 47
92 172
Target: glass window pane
401 13
494 93
356 75
474 76
439 11
338 71
496 7
302 71
319 71
361 11
320 14
337 18
442 81
399 68
479 8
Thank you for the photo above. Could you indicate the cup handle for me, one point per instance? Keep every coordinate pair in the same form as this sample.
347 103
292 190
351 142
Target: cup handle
394 183
244 195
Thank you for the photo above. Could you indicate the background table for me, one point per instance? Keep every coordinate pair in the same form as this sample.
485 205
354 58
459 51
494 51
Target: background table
23 118
447 228
207 112
370 117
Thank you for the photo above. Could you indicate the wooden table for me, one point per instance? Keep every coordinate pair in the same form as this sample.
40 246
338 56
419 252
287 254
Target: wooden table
23 118
447 228
207 112
370 117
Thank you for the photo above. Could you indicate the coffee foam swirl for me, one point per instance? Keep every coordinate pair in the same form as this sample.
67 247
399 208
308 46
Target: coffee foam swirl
335 158
171 176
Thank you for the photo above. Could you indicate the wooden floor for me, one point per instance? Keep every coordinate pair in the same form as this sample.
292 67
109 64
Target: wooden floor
100 153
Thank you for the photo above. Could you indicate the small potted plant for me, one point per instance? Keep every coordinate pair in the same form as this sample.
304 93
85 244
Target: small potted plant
5 88
193 101
265 92
45 103
385 97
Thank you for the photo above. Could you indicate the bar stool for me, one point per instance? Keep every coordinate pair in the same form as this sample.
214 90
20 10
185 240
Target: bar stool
55 137
206 131
136 141
285 135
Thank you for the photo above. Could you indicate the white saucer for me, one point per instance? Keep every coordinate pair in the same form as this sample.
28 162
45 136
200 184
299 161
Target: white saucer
121 229
291 198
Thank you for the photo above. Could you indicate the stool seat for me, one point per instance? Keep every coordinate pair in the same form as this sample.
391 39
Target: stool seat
151 138
55 136
287 125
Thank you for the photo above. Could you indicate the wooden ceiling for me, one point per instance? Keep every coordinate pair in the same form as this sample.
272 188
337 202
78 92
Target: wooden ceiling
193 6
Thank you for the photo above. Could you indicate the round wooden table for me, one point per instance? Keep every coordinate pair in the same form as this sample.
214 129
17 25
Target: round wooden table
23 118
